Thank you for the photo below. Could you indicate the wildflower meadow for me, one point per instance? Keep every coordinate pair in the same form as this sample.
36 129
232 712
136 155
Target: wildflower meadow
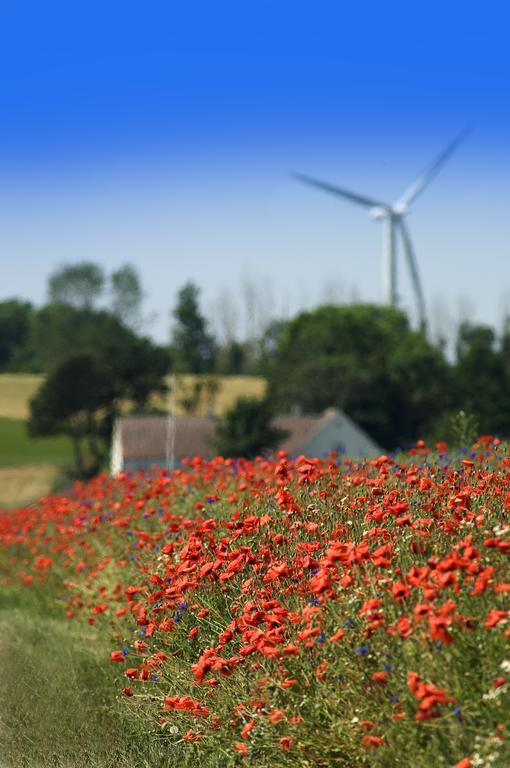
283 612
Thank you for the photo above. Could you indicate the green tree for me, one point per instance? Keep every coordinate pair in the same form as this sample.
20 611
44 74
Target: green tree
79 285
246 429
127 295
483 377
193 345
367 361
127 368
15 317
61 330
70 402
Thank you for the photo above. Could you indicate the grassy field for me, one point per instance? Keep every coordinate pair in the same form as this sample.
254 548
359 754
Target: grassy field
21 485
58 703
16 389
18 448
30 467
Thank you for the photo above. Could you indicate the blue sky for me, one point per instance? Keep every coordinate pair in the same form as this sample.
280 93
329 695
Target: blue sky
163 133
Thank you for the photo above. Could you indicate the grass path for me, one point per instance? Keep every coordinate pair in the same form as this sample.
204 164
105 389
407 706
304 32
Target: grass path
60 705
58 702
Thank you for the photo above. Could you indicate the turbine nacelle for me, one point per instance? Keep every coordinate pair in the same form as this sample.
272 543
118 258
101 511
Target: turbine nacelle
400 209
379 212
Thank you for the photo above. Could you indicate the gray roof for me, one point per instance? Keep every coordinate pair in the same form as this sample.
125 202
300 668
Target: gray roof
301 429
145 437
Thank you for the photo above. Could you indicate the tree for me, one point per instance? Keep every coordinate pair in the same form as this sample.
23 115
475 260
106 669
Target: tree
69 402
119 367
194 347
127 295
483 377
15 317
367 361
79 285
60 330
246 429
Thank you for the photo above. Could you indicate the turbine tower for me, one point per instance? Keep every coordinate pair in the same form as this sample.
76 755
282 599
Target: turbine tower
393 216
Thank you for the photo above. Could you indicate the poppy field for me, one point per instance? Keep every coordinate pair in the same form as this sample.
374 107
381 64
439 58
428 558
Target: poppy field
290 611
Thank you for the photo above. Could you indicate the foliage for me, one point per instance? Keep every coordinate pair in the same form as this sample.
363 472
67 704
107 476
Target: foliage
83 393
79 285
366 360
483 377
194 347
231 358
15 316
58 701
127 296
246 429
292 613
69 402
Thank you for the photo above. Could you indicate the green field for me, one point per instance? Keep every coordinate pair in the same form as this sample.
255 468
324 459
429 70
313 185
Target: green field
58 698
30 467
18 448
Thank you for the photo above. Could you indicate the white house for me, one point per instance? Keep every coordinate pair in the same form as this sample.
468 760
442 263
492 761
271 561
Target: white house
141 442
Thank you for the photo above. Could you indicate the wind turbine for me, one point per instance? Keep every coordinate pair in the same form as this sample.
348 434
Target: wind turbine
393 217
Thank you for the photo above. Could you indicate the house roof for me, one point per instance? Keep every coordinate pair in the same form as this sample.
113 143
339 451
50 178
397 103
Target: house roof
301 429
146 437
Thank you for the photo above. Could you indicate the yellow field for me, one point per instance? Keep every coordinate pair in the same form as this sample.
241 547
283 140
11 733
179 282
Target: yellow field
229 388
21 485
16 389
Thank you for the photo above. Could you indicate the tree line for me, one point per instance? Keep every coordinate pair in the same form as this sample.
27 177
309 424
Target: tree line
367 360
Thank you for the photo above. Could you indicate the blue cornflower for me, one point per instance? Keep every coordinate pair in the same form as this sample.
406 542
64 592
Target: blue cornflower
154 678
314 571
125 651
182 606
362 650
177 617
320 638
143 632
388 667
394 698
349 624
314 600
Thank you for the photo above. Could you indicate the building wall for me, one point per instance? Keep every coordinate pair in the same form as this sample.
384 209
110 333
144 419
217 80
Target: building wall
344 436
136 465
116 457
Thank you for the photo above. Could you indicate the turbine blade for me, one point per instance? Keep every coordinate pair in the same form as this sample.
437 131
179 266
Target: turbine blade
413 268
426 177
338 191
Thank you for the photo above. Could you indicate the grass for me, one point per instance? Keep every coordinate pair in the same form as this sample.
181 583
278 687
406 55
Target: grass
59 700
16 389
301 660
29 467
21 485
58 704
18 448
